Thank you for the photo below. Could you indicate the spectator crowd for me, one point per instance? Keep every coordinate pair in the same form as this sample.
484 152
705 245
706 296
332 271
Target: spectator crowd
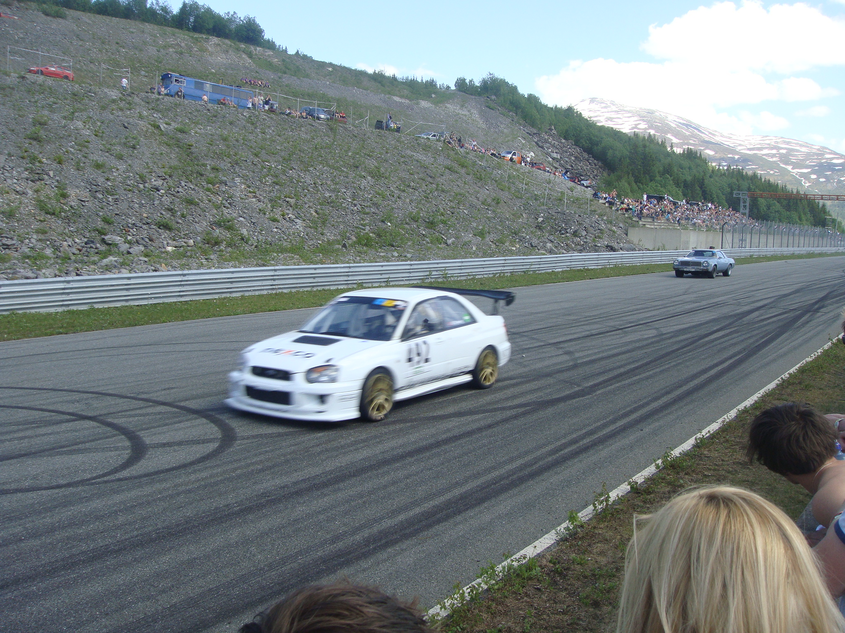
662 208
256 83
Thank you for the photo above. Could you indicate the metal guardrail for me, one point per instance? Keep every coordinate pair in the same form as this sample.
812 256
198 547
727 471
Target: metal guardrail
62 293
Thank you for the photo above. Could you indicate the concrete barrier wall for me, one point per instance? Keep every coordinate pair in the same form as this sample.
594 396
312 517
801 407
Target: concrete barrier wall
758 235
673 239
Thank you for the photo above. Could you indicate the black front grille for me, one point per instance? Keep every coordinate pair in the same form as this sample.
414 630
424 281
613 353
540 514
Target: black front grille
276 397
275 374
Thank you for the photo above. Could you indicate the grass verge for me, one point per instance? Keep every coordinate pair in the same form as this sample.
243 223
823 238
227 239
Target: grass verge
20 325
575 586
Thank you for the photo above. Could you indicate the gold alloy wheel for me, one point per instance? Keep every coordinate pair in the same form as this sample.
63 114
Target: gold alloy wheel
486 369
378 397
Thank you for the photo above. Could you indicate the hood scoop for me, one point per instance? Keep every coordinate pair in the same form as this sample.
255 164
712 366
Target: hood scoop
316 340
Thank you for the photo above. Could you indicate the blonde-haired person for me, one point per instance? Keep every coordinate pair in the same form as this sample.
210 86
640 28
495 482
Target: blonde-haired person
722 560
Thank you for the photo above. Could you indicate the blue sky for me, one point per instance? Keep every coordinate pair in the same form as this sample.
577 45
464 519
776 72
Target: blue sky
744 67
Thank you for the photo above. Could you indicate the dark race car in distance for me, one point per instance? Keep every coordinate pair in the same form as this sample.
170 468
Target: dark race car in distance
701 262
312 112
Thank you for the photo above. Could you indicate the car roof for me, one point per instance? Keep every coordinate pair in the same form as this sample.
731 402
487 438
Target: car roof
400 293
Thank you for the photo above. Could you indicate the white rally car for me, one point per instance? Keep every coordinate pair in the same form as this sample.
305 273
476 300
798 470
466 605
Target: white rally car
369 348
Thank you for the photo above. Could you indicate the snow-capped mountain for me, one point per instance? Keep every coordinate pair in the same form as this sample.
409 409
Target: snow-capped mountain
801 166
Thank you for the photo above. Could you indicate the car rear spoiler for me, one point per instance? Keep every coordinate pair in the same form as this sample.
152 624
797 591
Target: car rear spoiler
496 295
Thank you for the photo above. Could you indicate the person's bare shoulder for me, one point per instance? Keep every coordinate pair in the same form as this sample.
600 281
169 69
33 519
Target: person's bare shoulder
830 495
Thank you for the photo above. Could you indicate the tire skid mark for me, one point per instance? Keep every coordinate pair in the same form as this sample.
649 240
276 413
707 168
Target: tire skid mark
775 304
730 362
332 554
227 439
241 509
655 364
451 504
120 349
137 449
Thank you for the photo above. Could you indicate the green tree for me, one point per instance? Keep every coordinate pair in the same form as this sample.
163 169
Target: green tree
248 31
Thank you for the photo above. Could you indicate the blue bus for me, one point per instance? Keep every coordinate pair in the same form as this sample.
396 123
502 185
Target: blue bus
194 89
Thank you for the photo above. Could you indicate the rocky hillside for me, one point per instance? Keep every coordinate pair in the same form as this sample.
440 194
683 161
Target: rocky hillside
96 180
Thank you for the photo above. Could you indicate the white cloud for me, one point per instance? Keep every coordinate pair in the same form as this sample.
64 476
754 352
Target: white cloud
785 38
712 60
687 91
764 121
815 111
669 82
803 89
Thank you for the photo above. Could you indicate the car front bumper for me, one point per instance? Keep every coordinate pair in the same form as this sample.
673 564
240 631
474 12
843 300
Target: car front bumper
688 268
319 402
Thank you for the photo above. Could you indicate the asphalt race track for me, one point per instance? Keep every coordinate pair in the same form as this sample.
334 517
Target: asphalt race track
133 500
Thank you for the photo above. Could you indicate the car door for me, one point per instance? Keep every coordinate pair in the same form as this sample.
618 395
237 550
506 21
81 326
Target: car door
460 337
425 349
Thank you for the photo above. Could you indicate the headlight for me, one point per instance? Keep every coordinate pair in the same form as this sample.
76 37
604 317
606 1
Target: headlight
676 262
323 373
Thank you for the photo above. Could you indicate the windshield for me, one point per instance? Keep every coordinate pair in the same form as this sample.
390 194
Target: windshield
370 318
701 254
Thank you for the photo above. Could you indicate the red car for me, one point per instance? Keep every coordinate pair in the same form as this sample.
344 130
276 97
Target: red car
53 71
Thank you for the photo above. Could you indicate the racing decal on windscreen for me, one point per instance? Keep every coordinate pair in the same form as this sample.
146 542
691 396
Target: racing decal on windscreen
391 303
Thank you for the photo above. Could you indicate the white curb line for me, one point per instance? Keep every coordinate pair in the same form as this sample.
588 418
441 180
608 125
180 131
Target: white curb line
549 540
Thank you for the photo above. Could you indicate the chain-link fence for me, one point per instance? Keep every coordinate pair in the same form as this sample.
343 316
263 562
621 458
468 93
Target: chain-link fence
22 59
777 235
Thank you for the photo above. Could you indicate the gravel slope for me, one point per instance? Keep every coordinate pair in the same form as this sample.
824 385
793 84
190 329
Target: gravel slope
94 180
